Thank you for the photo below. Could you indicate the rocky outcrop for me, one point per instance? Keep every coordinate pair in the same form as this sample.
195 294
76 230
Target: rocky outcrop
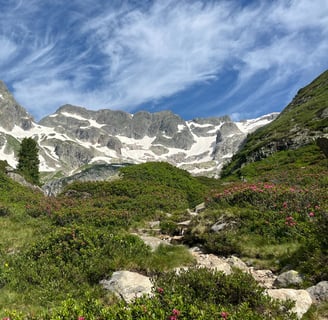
128 285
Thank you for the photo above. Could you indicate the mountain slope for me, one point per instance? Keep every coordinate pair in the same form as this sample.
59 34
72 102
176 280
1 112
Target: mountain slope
301 123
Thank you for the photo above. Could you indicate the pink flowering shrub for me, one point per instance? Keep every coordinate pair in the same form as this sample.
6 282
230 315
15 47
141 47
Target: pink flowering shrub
197 294
277 212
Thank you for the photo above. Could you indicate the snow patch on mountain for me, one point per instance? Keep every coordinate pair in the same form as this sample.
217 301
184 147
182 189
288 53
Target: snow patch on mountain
248 126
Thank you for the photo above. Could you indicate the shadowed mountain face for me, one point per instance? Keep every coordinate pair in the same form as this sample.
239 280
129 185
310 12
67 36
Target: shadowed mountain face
73 138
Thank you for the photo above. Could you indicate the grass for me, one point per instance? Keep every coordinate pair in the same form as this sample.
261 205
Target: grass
265 256
317 312
169 257
297 126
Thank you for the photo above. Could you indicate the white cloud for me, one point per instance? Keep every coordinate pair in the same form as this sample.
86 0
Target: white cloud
123 56
7 49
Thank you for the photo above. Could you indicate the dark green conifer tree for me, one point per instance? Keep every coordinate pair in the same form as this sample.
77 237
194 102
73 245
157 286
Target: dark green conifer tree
28 160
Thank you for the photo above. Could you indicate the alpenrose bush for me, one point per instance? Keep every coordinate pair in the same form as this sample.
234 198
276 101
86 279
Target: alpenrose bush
72 259
269 196
198 294
276 211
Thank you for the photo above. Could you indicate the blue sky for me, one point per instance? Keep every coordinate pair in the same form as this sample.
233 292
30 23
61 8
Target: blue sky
197 58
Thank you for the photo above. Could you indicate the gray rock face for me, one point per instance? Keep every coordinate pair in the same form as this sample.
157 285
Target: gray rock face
319 292
228 140
128 285
288 279
73 153
213 121
11 113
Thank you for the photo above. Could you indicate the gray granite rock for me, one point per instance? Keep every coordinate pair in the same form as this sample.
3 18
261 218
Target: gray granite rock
319 292
288 279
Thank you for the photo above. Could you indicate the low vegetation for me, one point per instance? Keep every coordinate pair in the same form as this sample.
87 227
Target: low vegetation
54 251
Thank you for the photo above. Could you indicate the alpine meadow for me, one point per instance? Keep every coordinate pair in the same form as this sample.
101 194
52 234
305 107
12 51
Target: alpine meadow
105 215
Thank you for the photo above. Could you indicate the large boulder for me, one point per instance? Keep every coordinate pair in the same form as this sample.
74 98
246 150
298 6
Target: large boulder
319 292
302 299
288 279
128 285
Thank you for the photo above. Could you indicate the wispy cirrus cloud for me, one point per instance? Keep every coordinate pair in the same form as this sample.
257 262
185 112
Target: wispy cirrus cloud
125 54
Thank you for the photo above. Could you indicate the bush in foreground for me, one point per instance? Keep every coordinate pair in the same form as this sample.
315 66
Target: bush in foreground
197 294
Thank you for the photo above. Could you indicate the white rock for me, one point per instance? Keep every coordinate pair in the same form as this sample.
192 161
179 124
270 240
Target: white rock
302 299
128 285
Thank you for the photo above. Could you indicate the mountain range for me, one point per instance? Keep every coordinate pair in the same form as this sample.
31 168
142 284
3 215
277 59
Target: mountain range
74 138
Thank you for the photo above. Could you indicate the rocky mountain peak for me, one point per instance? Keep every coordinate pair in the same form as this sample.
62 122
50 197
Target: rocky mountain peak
11 113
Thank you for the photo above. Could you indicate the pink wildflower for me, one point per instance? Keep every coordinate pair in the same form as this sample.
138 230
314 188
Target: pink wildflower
224 314
311 214
175 312
160 290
